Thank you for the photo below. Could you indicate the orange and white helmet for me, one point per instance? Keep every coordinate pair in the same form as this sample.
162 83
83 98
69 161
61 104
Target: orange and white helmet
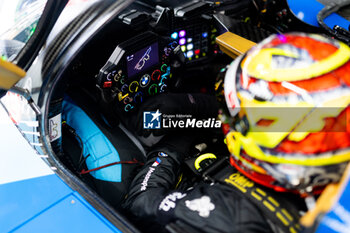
289 98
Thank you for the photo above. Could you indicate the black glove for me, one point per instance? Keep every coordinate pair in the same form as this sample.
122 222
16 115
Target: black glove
177 146
199 106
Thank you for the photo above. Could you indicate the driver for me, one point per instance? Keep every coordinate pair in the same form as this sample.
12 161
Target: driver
287 100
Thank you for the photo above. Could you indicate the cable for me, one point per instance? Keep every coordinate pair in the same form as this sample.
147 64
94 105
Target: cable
134 161
328 10
82 162
81 151
72 131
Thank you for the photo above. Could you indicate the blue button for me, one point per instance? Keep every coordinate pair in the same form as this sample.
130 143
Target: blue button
174 35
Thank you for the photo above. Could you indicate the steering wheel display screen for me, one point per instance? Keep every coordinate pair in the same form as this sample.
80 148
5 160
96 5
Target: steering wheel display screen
138 68
142 59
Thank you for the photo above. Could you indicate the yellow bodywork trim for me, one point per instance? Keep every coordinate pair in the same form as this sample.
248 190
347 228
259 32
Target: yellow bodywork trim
10 74
233 45
259 65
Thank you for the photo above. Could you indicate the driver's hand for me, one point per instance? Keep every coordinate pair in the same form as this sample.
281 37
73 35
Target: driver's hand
175 145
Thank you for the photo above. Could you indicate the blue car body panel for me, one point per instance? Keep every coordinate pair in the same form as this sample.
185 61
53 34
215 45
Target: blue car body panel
307 11
46 204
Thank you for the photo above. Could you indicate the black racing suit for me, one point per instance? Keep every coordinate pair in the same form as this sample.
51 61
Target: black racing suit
218 207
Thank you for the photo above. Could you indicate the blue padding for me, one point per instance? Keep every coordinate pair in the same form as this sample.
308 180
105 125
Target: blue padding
308 10
96 144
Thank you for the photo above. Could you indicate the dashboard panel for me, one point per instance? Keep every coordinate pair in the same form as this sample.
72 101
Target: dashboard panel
187 22
197 39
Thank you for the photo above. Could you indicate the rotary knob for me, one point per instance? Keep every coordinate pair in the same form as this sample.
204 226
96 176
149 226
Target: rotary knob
156 75
134 86
153 89
138 98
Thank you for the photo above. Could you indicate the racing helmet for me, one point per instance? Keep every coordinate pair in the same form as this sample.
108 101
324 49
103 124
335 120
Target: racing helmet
288 105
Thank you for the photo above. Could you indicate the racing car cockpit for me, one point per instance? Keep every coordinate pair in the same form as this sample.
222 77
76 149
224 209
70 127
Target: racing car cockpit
162 49
148 49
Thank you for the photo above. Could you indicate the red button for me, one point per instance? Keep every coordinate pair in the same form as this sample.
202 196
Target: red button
107 84
197 51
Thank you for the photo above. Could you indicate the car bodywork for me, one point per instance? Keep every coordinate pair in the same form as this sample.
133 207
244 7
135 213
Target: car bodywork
65 202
